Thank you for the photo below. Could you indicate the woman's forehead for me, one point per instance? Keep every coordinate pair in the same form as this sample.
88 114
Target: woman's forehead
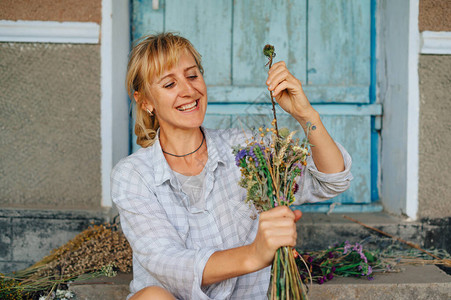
184 60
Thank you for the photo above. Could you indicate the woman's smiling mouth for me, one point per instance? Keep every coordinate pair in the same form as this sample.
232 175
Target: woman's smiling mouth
188 107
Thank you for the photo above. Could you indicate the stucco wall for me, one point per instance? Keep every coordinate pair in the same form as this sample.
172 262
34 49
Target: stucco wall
50 126
51 10
435 123
434 15
435 136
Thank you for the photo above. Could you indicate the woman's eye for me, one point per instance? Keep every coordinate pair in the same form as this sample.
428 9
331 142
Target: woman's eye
192 76
169 85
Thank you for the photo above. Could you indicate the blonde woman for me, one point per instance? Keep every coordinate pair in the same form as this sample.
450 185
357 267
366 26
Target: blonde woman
181 208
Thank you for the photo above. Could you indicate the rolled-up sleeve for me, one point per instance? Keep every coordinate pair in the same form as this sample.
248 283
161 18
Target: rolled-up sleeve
158 246
316 186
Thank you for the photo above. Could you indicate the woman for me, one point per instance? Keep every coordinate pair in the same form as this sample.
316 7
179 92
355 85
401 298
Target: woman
180 205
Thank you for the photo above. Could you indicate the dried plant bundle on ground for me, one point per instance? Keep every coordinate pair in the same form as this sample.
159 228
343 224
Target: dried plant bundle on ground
99 250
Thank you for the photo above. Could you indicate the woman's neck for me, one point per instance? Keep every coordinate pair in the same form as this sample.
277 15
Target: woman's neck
184 150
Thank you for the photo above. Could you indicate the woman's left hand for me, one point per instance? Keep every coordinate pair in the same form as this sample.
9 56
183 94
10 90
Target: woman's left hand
288 92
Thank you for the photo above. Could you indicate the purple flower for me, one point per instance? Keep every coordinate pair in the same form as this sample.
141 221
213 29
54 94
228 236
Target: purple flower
359 249
239 156
295 188
333 269
362 256
347 247
298 165
370 270
252 154
370 278
330 276
330 254
321 280
309 259
283 199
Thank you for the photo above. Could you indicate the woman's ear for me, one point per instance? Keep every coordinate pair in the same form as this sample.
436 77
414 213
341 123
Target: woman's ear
136 96
145 104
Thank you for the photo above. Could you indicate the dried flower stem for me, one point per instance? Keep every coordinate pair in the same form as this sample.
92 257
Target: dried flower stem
268 50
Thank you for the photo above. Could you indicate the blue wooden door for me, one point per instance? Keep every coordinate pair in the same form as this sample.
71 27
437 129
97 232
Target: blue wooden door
327 44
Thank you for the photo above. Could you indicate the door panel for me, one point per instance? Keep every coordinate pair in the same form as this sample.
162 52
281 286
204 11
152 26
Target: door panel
339 44
256 23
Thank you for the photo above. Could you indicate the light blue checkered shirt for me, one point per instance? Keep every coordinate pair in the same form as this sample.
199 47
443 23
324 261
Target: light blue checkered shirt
172 240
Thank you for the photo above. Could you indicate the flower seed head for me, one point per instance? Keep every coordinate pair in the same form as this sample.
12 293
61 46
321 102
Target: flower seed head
268 51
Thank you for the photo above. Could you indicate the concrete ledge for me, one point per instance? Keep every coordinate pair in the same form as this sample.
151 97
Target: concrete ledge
115 288
319 231
413 282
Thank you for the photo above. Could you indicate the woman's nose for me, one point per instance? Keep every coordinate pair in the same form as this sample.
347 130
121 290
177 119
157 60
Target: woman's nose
186 89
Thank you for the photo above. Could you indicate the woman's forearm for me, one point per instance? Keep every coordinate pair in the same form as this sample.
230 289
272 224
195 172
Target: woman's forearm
230 263
325 153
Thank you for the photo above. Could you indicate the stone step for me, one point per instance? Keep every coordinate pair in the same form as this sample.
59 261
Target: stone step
412 282
319 231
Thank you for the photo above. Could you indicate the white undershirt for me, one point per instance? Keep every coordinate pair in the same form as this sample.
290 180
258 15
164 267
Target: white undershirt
194 188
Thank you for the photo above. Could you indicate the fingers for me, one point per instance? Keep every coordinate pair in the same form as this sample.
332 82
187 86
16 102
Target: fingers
280 79
277 74
297 214
273 237
278 227
280 211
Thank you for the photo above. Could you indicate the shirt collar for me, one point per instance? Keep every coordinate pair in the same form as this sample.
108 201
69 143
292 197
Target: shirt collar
217 153
162 171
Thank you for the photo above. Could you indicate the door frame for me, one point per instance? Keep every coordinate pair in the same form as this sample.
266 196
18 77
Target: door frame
398 89
396 84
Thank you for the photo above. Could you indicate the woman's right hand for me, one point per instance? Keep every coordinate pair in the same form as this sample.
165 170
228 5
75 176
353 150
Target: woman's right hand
276 228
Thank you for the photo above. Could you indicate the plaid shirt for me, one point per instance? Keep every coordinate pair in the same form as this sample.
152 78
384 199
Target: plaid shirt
172 240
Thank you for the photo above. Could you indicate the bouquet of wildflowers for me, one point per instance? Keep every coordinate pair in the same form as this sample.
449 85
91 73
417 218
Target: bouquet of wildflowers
271 162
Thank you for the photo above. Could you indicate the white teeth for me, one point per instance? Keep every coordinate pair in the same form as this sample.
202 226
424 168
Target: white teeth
189 106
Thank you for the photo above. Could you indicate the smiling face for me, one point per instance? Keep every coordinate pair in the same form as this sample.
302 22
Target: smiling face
178 97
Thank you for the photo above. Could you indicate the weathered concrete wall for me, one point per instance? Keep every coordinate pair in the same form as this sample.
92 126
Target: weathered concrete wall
435 15
27 236
50 126
435 136
51 10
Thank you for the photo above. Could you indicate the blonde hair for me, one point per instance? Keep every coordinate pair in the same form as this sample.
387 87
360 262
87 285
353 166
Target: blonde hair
149 58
